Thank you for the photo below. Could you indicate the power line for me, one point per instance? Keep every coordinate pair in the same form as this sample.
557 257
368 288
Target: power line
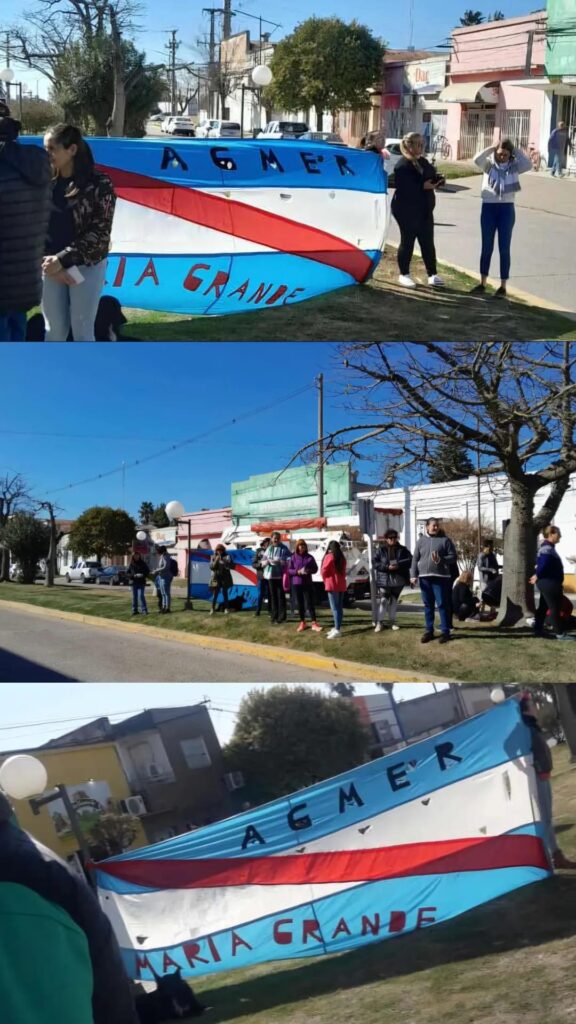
181 444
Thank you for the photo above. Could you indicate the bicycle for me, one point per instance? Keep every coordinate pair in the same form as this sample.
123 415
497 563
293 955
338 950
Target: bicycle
441 146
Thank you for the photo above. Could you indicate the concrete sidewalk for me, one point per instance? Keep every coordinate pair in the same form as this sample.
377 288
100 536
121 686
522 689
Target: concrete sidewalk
544 241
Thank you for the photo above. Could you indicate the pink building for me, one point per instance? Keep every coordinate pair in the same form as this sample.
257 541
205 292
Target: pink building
489 95
207 524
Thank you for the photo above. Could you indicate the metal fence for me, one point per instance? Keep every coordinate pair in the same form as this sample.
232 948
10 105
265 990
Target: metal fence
515 125
477 132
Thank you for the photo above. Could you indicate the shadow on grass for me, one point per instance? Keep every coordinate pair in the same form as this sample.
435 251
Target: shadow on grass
533 916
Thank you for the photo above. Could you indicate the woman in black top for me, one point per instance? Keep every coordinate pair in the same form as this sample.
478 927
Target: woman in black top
413 204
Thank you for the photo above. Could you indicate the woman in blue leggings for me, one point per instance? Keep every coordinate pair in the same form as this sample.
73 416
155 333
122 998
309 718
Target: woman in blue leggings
502 165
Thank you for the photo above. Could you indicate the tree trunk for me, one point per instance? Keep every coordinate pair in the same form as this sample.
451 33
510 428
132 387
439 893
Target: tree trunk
566 701
519 558
319 118
4 565
116 122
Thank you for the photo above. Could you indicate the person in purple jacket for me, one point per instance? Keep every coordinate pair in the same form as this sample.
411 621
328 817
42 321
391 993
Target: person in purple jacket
549 578
301 569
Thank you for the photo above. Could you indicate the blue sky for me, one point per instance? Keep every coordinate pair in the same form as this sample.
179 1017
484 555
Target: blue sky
33 713
389 21
74 411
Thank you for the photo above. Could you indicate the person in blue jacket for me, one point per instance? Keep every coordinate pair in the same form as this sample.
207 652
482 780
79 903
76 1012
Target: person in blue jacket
549 578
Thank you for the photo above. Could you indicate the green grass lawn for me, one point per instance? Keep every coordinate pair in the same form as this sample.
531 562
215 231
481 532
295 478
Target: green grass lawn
508 962
478 653
377 311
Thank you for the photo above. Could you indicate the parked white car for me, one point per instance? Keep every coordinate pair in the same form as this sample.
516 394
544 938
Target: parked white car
86 571
181 126
203 128
283 130
391 155
216 128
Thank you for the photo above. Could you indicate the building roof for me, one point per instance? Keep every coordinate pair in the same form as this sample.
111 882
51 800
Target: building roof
397 56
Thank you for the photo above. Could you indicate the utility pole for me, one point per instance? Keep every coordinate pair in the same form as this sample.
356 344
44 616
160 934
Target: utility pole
478 494
212 11
8 65
173 45
320 386
227 22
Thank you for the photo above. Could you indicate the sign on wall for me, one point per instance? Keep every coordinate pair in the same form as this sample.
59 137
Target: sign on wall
396 845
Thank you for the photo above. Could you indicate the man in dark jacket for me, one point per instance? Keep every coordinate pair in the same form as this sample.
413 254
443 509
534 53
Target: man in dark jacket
392 570
59 959
25 183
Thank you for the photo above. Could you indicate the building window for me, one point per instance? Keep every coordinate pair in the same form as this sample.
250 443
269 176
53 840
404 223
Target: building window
195 753
515 125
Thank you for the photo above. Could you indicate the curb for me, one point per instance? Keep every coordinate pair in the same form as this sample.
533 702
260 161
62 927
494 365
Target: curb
350 670
515 293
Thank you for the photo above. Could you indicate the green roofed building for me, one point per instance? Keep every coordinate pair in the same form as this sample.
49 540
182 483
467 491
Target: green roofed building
293 494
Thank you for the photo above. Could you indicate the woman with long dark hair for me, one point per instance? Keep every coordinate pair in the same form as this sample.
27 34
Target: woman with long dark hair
502 165
333 572
78 240
221 578
416 181
301 569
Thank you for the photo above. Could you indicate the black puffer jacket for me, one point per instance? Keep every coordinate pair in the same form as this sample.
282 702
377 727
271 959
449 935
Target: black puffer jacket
25 190
25 863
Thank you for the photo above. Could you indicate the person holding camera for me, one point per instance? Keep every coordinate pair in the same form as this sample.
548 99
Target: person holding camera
416 181
502 166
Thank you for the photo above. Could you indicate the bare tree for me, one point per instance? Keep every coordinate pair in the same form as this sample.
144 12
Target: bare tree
56 535
14 497
464 534
513 403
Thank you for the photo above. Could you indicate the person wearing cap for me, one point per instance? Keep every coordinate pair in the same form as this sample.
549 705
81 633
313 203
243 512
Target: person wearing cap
24 212
59 958
543 765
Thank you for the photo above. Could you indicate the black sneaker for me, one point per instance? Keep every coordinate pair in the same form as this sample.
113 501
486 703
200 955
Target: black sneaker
478 289
500 293
445 638
426 638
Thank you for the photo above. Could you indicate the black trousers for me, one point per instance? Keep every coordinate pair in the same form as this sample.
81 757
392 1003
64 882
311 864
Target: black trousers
305 595
422 231
277 599
551 592
263 593
215 592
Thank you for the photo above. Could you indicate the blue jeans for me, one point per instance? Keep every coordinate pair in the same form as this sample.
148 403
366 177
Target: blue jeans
12 326
557 162
336 601
496 217
436 592
73 307
545 803
135 592
164 588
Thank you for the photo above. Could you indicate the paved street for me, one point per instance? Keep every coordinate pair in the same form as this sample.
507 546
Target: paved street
544 242
37 649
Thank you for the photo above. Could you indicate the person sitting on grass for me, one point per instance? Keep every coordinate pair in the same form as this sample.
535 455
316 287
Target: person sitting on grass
543 765
301 569
465 605
221 578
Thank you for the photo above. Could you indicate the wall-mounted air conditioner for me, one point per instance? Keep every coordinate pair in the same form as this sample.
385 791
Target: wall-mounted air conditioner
133 805
234 780
154 771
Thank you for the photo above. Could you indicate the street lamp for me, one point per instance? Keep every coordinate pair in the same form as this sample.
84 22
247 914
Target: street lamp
175 510
261 77
24 777
7 75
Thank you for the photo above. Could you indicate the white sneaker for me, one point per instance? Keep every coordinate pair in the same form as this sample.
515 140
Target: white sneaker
406 281
436 281
395 628
333 634
378 627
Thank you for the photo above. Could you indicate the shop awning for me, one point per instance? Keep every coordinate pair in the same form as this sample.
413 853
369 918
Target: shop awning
464 92
429 89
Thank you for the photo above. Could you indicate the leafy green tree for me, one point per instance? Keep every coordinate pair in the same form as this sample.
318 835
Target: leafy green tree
84 84
145 512
102 531
159 517
28 540
326 64
342 689
112 833
450 462
472 18
497 16
38 115
288 738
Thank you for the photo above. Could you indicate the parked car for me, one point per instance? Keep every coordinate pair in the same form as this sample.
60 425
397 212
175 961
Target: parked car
166 122
203 128
157 117
181 126
224 130
391 155
85 571
283 130
332 137
115 575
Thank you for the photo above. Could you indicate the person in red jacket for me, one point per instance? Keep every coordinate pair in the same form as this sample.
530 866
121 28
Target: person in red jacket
333 572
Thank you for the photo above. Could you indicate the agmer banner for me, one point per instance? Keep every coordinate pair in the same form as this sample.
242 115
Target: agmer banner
244 591
227 226
402 843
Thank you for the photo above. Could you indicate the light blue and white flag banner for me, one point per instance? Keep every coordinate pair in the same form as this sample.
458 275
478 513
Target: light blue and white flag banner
206 226
404 842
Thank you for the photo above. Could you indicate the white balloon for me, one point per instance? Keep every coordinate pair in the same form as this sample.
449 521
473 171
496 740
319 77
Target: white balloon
22 776
7 75
261 75
141 535
175 510
497 696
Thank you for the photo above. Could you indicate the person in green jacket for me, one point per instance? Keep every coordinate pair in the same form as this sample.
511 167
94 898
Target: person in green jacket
59 959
